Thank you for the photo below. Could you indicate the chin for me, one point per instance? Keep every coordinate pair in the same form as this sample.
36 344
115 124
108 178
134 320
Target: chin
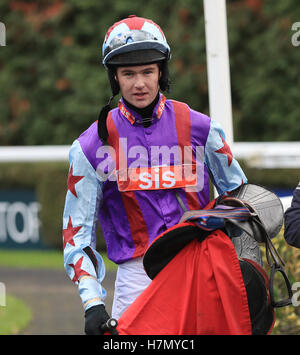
141 104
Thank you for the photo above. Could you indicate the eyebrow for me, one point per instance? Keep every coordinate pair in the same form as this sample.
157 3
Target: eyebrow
129 70
126 70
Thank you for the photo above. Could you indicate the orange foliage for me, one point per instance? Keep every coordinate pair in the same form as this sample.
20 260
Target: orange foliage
255 5
36 14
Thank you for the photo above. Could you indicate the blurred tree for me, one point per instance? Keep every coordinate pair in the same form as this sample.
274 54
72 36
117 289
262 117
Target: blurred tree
264 69
53 83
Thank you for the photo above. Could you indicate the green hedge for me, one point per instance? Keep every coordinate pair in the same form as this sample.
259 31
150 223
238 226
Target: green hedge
53 83
49 180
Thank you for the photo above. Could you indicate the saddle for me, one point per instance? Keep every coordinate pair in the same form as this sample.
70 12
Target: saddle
249 216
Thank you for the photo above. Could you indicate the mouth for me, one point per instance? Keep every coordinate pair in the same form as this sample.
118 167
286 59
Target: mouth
140 95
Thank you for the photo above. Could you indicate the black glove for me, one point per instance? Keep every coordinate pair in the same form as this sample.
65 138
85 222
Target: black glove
94 318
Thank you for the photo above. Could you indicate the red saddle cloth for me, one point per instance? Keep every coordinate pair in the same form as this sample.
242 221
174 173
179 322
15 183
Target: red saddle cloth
200 291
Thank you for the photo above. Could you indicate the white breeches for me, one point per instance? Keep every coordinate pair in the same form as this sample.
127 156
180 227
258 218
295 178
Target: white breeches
131 281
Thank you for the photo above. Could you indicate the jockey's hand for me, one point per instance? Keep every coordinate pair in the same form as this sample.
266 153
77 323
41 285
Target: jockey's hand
94 318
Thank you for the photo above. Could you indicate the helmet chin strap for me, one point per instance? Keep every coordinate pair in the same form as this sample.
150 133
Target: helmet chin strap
102 128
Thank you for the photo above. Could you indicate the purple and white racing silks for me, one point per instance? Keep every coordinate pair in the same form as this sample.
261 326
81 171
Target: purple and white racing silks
131 218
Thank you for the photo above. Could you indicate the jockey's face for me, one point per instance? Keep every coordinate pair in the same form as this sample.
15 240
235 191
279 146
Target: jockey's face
139 85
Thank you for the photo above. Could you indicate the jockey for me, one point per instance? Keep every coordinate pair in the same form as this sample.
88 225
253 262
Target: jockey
128 168
292 220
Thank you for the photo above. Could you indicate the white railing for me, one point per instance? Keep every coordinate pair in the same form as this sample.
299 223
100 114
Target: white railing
261 155
34 153
269 154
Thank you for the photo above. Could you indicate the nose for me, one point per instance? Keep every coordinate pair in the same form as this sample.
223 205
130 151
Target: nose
139 82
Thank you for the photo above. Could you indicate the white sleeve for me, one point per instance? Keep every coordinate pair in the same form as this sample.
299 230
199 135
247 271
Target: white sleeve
83 264
225 171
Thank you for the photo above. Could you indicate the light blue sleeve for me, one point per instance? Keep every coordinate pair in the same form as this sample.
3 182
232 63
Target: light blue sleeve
83 264
225 171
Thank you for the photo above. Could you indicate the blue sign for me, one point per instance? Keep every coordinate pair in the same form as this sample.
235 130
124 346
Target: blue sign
19 219
281 192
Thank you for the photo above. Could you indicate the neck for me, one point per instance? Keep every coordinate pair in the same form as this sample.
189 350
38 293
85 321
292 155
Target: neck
145 112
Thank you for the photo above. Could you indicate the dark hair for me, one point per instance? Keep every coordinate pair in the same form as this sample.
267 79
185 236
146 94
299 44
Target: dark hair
164 81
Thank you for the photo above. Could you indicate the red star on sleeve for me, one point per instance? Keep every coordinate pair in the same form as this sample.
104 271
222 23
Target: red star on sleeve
77 270
70 232
72 180
225 150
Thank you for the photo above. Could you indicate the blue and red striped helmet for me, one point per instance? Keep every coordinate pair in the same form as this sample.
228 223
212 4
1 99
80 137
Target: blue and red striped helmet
134 40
